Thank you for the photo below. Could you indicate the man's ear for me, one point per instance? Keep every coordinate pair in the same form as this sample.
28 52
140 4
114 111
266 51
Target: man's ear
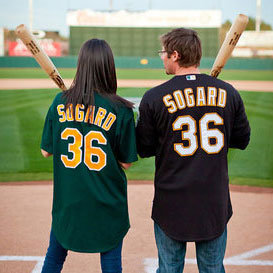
175 56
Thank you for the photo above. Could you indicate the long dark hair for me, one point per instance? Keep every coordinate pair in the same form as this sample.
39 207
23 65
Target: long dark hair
95 73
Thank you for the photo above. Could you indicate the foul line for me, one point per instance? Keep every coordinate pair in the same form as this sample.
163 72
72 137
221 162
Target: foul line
151 264
39 259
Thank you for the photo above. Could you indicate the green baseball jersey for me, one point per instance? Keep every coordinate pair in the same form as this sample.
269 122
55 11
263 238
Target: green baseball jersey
90 211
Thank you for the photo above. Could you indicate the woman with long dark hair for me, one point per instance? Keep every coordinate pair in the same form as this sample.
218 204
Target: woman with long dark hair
90 131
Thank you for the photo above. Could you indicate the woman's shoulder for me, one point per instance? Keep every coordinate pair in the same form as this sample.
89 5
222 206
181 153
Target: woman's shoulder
59 98
123 108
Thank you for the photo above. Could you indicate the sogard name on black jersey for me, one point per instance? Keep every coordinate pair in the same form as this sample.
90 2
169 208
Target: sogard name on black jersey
101 118
211 96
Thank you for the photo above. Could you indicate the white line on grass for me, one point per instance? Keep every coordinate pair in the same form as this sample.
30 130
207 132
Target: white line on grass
135 100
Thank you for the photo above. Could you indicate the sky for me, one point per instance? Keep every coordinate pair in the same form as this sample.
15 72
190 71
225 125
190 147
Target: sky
51 14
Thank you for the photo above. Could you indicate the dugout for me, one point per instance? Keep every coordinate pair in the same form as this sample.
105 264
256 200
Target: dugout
137 33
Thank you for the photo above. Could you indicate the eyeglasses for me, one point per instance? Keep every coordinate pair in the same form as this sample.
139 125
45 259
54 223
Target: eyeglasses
160 52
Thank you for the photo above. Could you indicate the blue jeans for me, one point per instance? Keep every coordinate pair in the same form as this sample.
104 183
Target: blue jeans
56 254
171 253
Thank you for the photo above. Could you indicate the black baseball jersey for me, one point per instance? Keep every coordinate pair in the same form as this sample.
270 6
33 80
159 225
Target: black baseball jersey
188 123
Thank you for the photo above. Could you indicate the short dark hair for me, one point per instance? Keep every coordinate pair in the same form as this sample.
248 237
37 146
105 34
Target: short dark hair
187 44
96 72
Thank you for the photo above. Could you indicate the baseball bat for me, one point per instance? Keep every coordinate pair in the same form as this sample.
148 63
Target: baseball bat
229 44
39 54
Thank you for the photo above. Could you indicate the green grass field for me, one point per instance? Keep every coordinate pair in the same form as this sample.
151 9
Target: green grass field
67 73
22 115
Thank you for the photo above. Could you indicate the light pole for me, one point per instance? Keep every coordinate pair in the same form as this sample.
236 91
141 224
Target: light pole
150 4
30 15
258 15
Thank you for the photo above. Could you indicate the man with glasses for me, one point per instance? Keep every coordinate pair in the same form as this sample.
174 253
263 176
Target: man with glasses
188 123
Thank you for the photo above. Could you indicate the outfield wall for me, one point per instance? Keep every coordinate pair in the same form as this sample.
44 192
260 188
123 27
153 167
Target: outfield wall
136 33
128 41
138 62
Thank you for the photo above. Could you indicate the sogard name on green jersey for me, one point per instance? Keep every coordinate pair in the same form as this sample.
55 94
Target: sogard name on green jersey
102 118
187 98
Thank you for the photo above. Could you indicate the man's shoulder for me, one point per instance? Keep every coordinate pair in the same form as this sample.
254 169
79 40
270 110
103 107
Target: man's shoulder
221 83
210 81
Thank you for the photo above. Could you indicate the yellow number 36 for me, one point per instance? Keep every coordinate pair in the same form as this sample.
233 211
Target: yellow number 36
90 152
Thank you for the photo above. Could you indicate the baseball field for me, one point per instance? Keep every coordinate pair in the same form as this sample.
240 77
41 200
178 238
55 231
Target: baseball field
25 205
22 114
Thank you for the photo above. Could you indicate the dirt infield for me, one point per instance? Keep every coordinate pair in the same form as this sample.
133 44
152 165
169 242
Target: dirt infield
265 86
25 224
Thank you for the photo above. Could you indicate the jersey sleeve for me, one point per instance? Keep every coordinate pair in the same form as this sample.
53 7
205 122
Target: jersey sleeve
240 134
145 131
47 136
127 151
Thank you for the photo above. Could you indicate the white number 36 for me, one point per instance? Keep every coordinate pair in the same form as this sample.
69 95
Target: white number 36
206 134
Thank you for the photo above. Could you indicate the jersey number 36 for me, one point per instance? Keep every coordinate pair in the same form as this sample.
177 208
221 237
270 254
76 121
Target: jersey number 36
90 152
206 134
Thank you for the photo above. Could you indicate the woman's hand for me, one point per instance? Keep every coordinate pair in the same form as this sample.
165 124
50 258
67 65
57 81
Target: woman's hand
45 153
